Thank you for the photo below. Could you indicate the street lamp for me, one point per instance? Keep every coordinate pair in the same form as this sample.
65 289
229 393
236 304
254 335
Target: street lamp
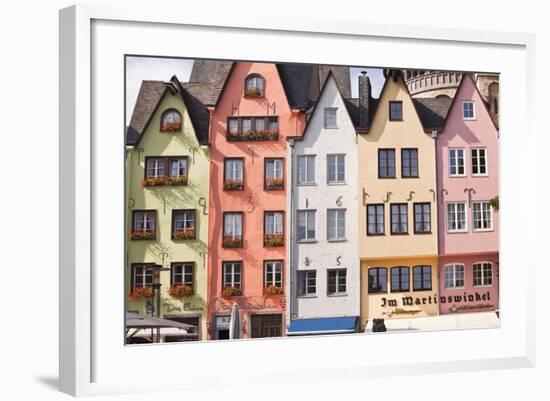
156 269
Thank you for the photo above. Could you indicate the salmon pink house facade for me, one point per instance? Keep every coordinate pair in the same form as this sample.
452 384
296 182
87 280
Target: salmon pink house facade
249 126
467 152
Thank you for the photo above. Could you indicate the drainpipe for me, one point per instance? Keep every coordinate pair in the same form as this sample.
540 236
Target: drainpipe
291 232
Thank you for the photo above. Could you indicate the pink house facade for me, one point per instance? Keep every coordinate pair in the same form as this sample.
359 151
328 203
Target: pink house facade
467 157
248 179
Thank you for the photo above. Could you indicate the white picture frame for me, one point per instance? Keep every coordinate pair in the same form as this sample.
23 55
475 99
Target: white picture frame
93 41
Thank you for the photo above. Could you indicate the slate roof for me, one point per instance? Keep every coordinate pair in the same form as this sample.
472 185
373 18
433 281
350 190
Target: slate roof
432 111
149 97
297 81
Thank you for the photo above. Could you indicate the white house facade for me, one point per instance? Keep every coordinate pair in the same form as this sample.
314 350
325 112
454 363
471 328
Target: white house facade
323 269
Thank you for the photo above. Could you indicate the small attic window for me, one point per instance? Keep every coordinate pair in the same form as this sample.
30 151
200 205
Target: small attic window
170 121
254 86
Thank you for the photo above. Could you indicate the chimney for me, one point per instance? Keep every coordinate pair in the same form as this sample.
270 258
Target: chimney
364 100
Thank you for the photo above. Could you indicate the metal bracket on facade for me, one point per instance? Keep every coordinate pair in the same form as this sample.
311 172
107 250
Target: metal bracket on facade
433 194
307 261
163 205
469 190
272 106
234 110
338 263
339 201
163 255
388 194
365 196
411 196
252 205
140 151
202 254
307 203
444 192
202 203
251 148
131 203
193 150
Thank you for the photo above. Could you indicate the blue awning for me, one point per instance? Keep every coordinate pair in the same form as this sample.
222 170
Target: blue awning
326 325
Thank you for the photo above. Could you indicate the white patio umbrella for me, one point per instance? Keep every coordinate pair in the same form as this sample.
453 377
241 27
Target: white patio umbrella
234 322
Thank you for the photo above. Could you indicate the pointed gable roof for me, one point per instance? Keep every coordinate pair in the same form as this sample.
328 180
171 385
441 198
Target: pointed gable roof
468 76
149 98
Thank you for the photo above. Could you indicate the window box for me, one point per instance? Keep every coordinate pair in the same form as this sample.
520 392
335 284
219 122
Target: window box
170 127
273 289
274 240
143 234
141 292
180 291
253 92
274 183
161 181
263 135
229 184
232 241
188 233
231 292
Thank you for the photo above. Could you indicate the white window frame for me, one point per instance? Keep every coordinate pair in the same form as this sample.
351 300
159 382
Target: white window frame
325 115
158 165
231 170
483 277
456 214
449 163
490 214
464 102
178 160
306 211
305 278
185 216
273 265
231 229
339 278
141 224
275 166
337 171
143 274
234 283
179 278
278 223
308 159
335 221
486 173
454 276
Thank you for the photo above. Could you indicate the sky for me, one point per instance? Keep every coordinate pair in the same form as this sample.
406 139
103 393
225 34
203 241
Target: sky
162 69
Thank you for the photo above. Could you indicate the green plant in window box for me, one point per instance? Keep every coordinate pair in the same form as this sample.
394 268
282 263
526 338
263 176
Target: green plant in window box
181 180
185 234
232 184
231 292
180 291
141 293
275 183
494 202
273 289
143 234
232 241
274 239
253 92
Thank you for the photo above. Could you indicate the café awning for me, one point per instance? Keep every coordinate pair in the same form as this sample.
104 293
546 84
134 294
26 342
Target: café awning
325 325
138 321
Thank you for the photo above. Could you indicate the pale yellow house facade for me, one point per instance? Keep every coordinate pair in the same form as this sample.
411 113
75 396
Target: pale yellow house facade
167 185
398 210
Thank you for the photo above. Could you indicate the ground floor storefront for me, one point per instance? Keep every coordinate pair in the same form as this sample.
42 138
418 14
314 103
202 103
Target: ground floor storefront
397 288
254 317
469 282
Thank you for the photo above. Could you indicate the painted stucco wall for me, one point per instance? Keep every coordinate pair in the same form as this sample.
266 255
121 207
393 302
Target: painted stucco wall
164 199
324 254
253 200
468 134
373 306
408 133
469 298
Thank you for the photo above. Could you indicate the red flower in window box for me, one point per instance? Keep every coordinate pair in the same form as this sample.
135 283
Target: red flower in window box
143 234
273 289
180 291
235 241
231 292
181 180
253 92
232 184
154 181
187 233
274 239
263 135
141 293
170 127
274 183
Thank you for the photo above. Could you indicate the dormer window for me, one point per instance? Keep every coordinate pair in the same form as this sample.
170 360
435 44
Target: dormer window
254 86
170 121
